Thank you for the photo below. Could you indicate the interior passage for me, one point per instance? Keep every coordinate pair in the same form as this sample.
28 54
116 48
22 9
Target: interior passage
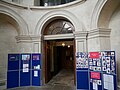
65 77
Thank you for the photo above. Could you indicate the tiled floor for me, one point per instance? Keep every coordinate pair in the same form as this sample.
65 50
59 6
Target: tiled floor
64 80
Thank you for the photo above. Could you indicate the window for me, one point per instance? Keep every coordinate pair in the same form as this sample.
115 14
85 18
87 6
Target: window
59 27
51 2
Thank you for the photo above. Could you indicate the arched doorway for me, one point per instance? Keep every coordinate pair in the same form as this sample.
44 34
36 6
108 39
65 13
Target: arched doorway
59 49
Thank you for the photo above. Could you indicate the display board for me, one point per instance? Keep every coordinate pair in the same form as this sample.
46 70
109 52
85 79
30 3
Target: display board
101 71
109 70
82 71
36 69
13 70
25 68
102 66
95 71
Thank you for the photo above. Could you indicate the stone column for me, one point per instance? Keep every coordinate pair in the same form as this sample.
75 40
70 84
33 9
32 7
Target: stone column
81 41
29 44
99 39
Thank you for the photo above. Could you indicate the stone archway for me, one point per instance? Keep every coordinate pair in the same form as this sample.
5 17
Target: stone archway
58 31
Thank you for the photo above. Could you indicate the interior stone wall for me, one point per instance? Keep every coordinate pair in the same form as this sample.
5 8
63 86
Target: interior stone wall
7 45
115 37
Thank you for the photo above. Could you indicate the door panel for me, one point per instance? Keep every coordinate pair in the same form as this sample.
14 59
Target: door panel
48 75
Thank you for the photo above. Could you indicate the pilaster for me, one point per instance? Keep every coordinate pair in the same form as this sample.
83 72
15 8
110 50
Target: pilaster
99 39
29 43
81 41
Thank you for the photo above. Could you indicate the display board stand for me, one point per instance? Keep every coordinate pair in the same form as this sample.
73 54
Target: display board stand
25 68
101 71
82 71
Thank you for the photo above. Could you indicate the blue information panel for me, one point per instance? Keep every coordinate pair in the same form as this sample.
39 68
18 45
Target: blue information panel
24 70
25 66
36 77
13 71
13 62
102 67
99 68
36 69
12 79
109 70
82 80
82 71
95 71
25 78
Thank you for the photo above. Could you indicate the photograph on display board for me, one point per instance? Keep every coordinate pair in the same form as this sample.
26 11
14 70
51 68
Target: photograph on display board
81 61
25 57
25 67
36 57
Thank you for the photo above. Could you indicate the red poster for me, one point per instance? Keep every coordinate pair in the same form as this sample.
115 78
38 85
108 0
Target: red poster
95 75
94 54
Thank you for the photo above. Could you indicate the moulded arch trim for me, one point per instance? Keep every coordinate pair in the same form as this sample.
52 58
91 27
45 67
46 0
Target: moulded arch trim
58 13
107 12
100 19
23 27
96 12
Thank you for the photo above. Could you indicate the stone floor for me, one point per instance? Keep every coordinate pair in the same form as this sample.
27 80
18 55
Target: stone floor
64 80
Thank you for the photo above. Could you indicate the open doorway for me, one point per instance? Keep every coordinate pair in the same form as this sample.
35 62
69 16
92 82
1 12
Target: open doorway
59 60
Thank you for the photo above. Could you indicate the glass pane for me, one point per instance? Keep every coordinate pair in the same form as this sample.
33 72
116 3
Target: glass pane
53 2
59 27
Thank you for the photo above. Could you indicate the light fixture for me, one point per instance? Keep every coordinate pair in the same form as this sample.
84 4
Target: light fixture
68 46
63 44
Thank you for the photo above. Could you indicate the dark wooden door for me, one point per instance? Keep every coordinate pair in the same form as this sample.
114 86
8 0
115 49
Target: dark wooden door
48 75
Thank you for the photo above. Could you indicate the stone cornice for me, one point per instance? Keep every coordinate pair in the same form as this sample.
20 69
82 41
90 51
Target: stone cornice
58 36
30 38
100 32
80 34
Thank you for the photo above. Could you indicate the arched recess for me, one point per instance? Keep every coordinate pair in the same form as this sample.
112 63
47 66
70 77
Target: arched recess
114 25
8 44
107 12
11 25
102 13
21 24
48 17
